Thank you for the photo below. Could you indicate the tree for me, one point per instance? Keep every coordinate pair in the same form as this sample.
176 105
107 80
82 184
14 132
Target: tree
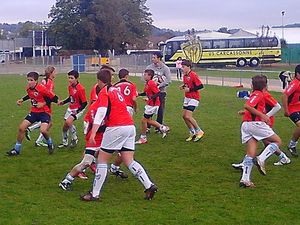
100 24
26 28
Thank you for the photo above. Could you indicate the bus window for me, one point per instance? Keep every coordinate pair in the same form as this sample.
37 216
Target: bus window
236 43
250 43
206 44
169 48
220 44
269 42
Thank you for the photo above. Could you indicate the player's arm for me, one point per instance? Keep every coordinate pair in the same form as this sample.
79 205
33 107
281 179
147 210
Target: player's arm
21 100
255 112
65 101
288 92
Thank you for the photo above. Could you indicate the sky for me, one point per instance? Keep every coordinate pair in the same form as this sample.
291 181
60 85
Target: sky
180 14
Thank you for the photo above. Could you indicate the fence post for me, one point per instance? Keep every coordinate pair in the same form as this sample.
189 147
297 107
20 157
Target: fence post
222 81
206 78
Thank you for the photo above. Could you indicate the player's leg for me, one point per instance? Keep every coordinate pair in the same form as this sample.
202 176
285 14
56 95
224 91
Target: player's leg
283 159
87 160
45 131
295 117
31 128
245 180
189 117
190 126
115 167
161 109
41 141
271 148
21 133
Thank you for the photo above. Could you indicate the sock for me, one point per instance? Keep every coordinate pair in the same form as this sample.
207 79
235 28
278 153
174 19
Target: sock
197 130
143 136
68 179
73 132
18 146
138 171
248 164
192 131
293 144
49 141
40 138
114 168
34 126
65 135
100 176
268 151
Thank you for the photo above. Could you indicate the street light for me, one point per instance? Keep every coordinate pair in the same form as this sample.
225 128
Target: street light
282 27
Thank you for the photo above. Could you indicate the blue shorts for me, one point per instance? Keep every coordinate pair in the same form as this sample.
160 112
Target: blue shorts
189 108
42 117
295 117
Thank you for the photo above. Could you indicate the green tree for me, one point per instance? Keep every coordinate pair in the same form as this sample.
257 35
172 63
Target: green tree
26 28
100 24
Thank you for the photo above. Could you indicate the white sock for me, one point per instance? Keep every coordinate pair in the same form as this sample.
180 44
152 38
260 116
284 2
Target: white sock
40 138
248 164
282 155
34 126
138 171
114 168
268 151
73 132
65 136
68 179
293 144
100 176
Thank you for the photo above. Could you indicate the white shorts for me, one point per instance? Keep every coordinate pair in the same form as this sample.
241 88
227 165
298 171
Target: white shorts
150 110
130 110
190 102
256 129
116 138
73 111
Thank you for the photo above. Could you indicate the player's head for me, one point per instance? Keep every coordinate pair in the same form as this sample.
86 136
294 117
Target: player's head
157 57
148 74
50 72
123 74
186 66
259 82
179 58
32 78
73 76
297 72
107 67
104 78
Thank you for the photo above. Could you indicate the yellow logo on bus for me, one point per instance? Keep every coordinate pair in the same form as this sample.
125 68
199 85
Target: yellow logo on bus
192 50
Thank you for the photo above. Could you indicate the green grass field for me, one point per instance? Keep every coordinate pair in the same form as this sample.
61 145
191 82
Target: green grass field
196 182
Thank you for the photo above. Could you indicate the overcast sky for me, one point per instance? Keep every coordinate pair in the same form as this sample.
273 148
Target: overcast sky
180 14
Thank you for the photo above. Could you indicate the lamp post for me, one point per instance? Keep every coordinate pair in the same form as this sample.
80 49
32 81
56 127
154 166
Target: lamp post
282 27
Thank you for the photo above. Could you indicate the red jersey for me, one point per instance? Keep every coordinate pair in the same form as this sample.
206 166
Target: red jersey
191 80
151 89
94 93
77 95
293 94
48 83
128 90
89 118
39 94
270 103
117 114
257 101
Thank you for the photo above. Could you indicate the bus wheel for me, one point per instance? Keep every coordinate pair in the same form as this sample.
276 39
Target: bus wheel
241 62
254 62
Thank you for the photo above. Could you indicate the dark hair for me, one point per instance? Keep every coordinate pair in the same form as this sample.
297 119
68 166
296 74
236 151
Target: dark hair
104 76
149 72
49 70
179 58
158 54
186 62
33 75
297 69
74 73
123 73
259 82
107 67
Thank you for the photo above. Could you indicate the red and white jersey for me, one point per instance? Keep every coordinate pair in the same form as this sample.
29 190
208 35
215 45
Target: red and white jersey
257 101
39 94
94 93
293 94
48 83
128 90
270 103
117 114
77 95
191 80
151 89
